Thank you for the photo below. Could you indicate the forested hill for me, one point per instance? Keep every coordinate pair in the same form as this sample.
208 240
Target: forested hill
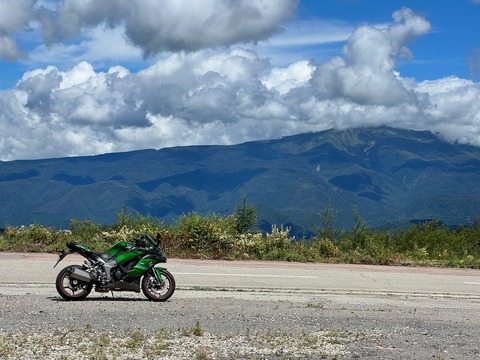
391 176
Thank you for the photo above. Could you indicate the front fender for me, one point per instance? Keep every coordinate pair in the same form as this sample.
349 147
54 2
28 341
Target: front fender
157 271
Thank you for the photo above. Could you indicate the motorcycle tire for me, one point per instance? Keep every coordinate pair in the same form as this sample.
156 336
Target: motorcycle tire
72 289
158 291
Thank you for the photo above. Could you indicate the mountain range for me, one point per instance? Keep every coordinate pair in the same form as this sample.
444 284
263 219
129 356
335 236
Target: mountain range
392 176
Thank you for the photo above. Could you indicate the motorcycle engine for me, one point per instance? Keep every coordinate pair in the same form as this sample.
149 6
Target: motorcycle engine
117 274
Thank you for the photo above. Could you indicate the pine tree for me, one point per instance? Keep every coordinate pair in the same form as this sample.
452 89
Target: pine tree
245 216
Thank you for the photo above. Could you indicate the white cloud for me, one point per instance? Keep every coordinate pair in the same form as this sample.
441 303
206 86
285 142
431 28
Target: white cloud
15 16
365 75
225 96
285 79
172 25
305 40
310 33
78 30
99 46
8 49
77 76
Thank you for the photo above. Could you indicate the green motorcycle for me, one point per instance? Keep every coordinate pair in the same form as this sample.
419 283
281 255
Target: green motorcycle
127 266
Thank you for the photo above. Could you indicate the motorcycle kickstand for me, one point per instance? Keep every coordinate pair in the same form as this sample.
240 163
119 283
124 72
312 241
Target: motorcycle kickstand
113 296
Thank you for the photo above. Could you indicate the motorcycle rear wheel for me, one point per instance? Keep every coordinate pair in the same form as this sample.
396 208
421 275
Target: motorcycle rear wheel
155 290
70 288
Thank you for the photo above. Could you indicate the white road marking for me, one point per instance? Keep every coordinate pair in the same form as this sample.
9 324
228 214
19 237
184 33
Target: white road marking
249 275
471 283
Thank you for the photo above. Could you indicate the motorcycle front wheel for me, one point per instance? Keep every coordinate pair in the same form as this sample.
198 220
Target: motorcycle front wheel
158 290
70 288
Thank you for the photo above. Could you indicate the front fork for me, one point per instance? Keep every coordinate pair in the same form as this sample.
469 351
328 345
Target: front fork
157 272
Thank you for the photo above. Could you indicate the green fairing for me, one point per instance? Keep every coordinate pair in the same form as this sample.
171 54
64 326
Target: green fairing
119 246
142 267
84 247
131 255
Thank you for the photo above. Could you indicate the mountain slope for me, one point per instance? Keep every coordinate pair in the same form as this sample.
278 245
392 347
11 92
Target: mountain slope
391 175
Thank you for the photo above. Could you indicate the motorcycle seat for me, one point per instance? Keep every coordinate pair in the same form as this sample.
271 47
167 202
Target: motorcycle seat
104 256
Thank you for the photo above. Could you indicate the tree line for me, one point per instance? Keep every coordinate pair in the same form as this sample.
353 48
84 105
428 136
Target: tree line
234 236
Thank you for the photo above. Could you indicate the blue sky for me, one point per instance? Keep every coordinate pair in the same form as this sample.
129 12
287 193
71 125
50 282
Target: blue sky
83 77
444 51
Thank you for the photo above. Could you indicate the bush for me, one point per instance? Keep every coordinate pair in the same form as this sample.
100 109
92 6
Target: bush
325 248
218 237
276 245
202 236
33 238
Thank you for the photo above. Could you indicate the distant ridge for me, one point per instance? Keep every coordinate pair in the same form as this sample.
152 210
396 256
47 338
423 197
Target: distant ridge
392 176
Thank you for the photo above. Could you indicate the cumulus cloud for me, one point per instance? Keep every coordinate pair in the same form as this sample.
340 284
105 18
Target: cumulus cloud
171 25
101 46
15 15
285 79
149 25
366 75
228 96
193 98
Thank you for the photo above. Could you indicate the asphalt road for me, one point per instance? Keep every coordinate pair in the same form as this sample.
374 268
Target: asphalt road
23 270
387 312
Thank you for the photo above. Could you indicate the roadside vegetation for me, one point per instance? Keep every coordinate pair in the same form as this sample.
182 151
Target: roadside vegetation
231 237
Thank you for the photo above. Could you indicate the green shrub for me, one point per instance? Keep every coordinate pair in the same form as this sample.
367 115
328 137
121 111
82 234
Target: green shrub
325 248
33 238
219 237
202 236
275 245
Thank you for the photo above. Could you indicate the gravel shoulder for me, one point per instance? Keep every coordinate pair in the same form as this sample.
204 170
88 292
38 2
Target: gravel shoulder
232 325
201 321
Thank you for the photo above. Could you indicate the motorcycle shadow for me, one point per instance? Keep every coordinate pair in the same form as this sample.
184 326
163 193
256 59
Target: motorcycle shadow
99 299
